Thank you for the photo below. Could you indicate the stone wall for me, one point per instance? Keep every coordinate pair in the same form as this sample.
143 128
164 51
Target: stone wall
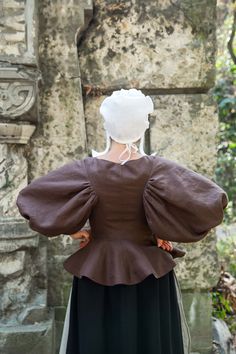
26 323
41 127
50 94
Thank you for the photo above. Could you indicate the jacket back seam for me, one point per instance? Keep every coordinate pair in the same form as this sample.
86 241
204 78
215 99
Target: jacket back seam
150 174
90 178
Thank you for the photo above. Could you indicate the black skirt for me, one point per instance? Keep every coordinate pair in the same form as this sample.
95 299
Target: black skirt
142 318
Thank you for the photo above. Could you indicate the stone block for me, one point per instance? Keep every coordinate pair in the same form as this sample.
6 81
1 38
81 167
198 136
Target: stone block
38 338
223 339
60 312
60 281
12 264
154 45
19 33
197 308
183 128
18 94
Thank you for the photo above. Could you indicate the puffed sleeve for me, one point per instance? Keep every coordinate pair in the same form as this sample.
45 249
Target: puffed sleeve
59 202
180 204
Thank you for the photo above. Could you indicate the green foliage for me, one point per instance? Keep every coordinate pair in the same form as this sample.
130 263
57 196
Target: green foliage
222 309
221 306
226 249
225 96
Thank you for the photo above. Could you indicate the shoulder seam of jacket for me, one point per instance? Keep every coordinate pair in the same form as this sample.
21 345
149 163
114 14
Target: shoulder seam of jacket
90 179
150 174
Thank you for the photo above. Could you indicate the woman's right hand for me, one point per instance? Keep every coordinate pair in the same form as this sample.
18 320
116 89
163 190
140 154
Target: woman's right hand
83 235
166 245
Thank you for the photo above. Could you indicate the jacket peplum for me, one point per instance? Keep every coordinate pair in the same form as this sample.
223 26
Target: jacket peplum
127 205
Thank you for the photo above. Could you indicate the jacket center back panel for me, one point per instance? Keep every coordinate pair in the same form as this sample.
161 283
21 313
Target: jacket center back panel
122 249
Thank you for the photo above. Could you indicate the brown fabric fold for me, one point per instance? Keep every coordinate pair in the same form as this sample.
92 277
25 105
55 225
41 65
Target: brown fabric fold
180 204
59 202
111 262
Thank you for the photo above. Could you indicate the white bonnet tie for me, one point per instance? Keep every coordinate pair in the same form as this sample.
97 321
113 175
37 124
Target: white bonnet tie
128 148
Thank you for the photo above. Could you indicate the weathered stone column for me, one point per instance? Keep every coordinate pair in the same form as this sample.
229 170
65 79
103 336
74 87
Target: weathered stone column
26 324
167 49
61 133
53 112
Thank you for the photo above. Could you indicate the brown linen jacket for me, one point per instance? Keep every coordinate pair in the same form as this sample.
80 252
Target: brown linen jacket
126 206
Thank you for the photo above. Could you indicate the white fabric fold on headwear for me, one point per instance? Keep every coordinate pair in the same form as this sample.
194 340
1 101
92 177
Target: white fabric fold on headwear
125 115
